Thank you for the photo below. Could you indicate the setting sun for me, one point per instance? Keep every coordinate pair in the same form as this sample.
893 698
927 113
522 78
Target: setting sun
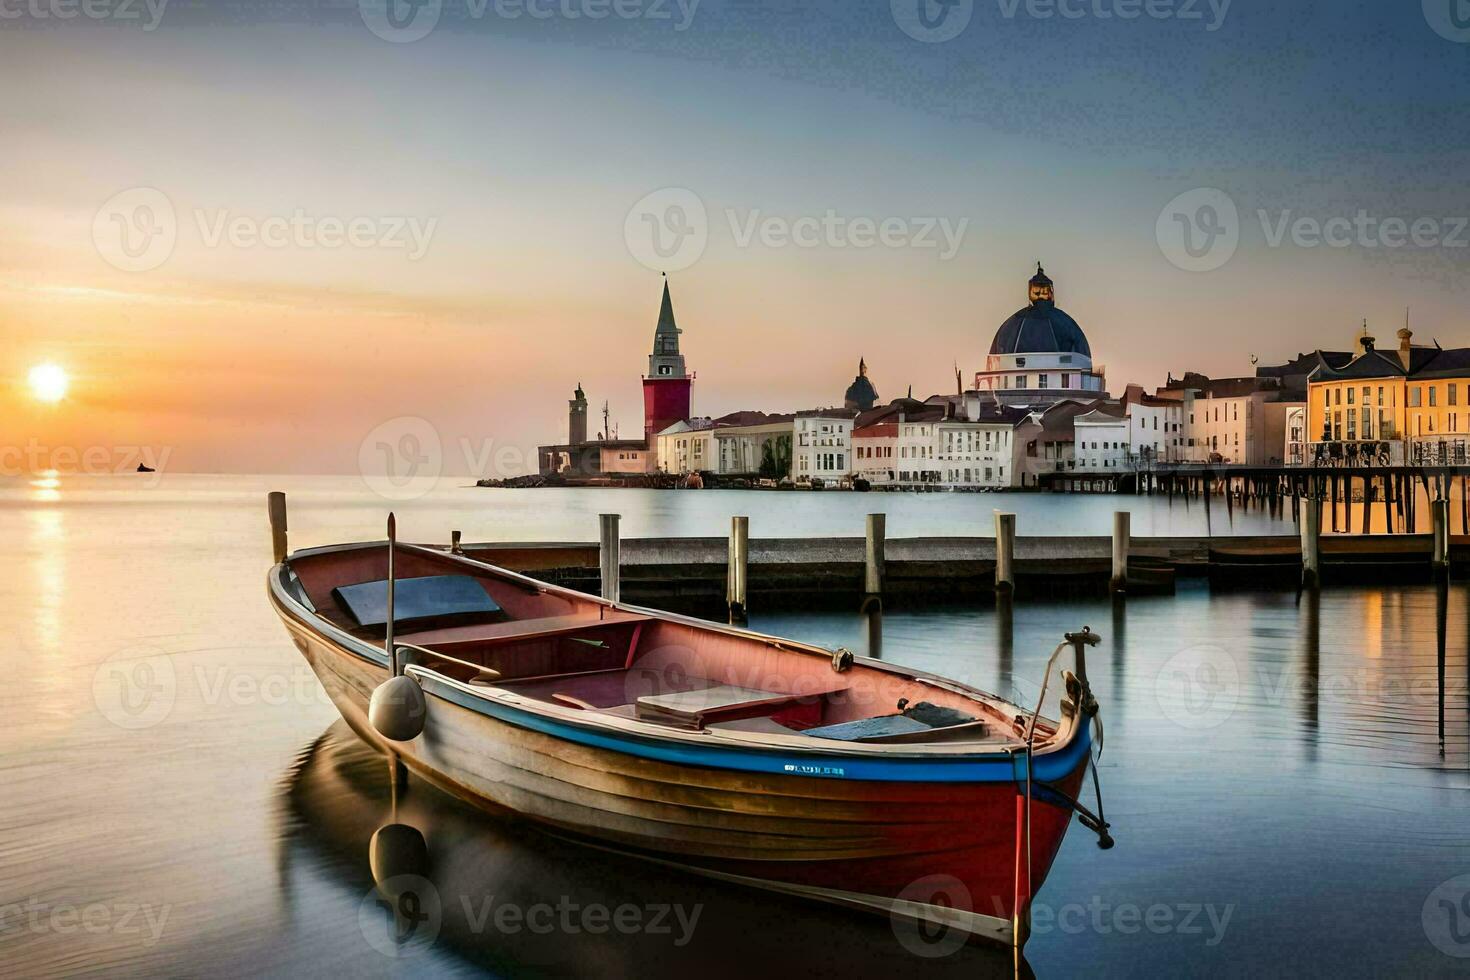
48 382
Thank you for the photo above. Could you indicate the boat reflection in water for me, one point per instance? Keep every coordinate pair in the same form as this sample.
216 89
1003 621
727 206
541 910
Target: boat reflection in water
446 885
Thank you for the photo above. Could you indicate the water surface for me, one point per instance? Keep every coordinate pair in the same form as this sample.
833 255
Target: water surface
181 799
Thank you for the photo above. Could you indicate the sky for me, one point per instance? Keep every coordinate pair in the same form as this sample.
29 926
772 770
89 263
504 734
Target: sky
260 237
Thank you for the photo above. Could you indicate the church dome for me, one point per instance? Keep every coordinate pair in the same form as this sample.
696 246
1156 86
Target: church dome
1040 328
861 394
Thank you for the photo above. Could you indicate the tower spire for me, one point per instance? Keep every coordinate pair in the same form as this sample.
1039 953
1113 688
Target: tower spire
666 361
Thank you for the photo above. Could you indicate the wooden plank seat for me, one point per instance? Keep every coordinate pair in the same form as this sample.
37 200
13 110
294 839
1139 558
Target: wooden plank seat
726 702
517 630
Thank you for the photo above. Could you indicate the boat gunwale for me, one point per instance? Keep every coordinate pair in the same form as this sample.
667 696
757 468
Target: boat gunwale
1066 734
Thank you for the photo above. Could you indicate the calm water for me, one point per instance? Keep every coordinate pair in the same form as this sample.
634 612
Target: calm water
180 799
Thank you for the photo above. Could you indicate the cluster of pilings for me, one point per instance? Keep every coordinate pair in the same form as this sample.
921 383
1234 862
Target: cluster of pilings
1272 489
737 593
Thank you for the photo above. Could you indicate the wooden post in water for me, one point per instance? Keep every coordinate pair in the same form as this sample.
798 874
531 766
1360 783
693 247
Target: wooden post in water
610 553
1440 510
1122 534
737 579
275 505
1311 538
874 557
1005 552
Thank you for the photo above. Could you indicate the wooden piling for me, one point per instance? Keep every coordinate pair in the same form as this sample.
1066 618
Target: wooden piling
1440 509
1122 533
275 505
1005 552
1311 539
874 556
609 553
738 577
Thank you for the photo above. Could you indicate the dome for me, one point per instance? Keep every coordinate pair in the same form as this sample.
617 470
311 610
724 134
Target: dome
1040 328
861 393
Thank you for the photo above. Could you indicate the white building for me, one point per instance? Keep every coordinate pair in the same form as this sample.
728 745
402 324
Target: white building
917 438
686 447
875 449
1103 440
1156 432
976 454
822 445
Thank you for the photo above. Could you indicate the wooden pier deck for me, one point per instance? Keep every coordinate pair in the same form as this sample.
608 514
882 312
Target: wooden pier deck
691 573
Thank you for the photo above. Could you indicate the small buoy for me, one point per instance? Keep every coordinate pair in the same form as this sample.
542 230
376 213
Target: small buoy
397 709
397 849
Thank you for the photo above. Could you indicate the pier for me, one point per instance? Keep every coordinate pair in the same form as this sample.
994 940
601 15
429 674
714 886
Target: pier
711 575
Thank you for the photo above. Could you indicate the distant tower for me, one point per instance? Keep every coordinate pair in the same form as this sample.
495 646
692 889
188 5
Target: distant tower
577 417
861 394
667 388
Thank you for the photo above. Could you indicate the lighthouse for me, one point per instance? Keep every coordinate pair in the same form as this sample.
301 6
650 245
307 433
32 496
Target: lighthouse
667 386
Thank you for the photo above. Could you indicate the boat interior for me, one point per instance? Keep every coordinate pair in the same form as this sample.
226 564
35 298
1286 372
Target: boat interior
494 630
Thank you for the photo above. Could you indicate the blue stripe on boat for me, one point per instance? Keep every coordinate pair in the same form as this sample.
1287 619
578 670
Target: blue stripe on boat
999 768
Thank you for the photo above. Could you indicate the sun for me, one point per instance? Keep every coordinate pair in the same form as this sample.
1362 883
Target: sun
48 382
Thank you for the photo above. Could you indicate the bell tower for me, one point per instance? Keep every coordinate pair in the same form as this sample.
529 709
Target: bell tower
577 417
667 386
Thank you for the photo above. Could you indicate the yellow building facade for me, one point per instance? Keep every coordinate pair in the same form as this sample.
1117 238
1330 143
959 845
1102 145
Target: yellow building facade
1416 399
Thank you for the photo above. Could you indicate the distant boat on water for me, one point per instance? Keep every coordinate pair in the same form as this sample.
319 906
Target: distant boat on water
145 468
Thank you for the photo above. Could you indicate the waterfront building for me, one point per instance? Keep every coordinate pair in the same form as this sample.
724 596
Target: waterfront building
745 444
1232 420
1156 427
1102 439
1297 451
1039 356
822 444
1046 439
981 452
874 447
755 445
861 394
1414 401
686 447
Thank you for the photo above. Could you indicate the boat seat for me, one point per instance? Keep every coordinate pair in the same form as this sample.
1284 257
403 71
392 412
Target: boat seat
521 629
440 599
726 702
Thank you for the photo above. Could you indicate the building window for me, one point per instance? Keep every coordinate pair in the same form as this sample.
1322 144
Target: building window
1433 395
1351 393
1041 381
1020 381
1414 397
1454 398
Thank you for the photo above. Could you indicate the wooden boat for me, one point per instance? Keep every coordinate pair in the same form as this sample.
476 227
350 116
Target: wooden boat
747 757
